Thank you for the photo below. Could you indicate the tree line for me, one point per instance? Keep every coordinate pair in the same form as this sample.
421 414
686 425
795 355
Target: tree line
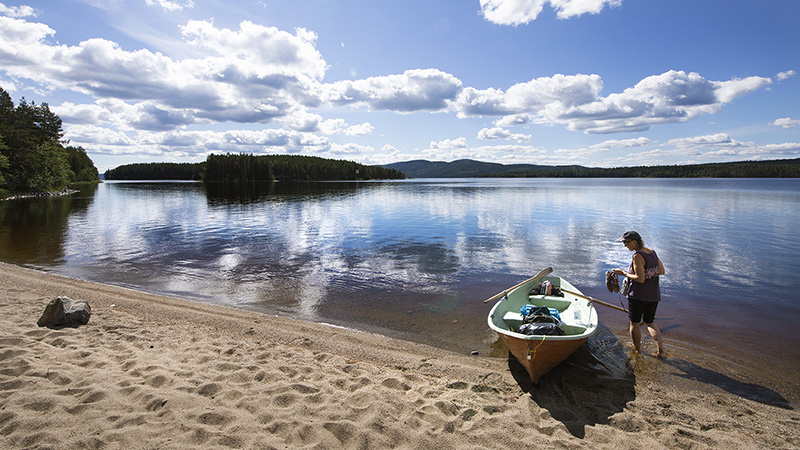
782 168
156 171
237 168
33 158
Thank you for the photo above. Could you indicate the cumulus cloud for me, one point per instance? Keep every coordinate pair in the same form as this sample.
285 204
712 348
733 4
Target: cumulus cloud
253 74
339 126
519 12
261 75
721 144
507 154
17 11
502 133
784 75
448 144
575 102
171 6
578 154
786 122
413 90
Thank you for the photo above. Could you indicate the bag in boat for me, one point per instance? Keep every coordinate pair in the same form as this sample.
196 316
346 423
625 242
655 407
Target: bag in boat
546 288
526 309
548 328
540 321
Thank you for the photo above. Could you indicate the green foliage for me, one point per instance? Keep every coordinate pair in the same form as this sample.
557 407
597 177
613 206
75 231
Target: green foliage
43 168
248 168
237 168
4 165
81 166
156 171
32 158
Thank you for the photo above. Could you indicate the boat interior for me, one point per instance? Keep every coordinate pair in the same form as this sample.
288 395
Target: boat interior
573 313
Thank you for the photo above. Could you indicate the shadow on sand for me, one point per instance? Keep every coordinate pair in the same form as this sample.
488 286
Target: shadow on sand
749 391
589 387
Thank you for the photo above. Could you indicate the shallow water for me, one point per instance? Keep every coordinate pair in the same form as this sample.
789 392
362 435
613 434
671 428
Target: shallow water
415 259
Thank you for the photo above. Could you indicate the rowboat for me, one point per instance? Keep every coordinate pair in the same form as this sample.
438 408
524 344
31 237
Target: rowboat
539 353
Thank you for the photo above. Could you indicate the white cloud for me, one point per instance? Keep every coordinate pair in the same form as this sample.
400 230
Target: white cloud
511 12
506 154
786 122
172 5
574 101
519 12
339 126
722 145
448 144
262 75
254 74
707 141
502 133
359 130
784 75
578 154
349 149
413 90
566 9
17 11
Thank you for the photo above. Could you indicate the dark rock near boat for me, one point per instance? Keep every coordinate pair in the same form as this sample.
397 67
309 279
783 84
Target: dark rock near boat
63 311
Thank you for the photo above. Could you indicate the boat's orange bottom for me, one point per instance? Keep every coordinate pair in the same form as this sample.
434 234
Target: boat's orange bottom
539 355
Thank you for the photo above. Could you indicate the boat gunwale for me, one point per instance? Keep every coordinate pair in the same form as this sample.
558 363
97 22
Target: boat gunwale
590 330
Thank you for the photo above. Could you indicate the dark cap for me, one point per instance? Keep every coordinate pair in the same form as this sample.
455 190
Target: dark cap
630 236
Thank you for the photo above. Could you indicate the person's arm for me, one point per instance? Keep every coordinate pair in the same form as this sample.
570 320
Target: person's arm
638 269
661 270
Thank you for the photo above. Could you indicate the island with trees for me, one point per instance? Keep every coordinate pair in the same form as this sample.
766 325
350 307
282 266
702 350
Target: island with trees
244 168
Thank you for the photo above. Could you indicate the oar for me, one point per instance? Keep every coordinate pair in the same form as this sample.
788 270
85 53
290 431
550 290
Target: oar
594 300
542 273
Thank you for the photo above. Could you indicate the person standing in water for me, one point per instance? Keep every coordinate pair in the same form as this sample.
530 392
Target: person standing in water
644 293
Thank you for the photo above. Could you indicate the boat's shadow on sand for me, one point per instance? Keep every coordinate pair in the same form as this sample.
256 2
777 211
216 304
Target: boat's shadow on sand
598 381
588 388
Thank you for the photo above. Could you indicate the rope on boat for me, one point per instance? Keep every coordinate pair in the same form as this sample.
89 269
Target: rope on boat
531 358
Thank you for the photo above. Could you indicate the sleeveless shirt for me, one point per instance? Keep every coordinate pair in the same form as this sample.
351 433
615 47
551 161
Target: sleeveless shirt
648 291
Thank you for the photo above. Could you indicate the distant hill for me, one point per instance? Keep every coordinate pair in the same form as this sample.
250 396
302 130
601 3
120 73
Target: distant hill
467 168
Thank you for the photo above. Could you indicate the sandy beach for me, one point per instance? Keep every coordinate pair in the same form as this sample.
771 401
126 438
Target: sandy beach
153 372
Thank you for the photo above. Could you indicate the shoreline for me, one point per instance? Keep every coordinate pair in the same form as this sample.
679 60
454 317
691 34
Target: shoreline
151 371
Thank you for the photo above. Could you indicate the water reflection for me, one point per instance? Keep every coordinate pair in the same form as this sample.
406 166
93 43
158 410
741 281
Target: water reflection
33 230
415 258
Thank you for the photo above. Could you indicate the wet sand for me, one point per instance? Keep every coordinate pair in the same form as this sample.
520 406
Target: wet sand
152 372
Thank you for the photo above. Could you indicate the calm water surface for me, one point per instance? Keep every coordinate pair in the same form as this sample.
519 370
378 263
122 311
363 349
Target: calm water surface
415 259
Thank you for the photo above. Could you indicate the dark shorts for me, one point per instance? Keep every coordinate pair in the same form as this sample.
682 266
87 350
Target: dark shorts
639 309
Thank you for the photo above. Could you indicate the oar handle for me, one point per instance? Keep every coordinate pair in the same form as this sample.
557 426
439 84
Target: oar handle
541 273
594 300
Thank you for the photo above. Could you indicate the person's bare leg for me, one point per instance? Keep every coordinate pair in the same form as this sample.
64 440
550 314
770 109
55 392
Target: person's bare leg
636 336
656 335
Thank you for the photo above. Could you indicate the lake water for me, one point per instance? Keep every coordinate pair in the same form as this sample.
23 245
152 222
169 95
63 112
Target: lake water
415 259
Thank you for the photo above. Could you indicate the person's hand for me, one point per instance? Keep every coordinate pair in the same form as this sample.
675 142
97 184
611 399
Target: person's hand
619 271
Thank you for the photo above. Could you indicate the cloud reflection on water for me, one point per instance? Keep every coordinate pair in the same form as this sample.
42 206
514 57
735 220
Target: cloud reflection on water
314 250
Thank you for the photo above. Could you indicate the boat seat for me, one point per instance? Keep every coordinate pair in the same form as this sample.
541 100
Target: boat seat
511 316
550 301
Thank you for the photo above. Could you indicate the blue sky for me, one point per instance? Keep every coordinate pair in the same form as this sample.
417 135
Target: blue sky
601 83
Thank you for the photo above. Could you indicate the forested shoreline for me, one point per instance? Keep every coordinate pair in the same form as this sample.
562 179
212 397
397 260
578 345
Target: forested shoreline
33 157
239 168
467 168
784 168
